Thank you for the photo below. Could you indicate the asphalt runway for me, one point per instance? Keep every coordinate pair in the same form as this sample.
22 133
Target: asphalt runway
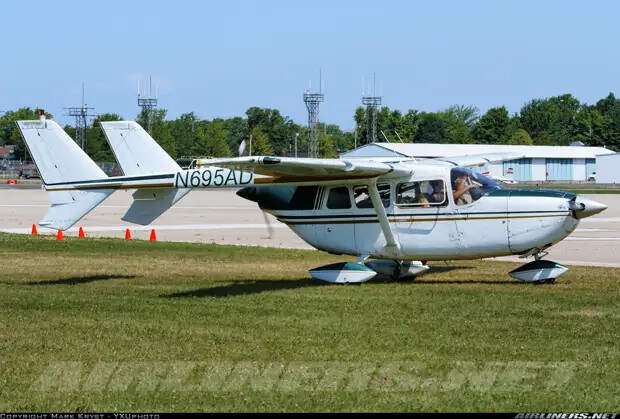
219 216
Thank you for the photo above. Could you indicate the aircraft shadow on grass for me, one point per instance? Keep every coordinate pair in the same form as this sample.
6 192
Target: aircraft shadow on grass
442 269
80 280
247 287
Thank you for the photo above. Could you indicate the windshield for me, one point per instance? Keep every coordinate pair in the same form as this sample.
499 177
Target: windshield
468 186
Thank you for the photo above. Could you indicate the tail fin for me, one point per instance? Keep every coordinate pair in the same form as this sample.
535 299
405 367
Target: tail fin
139 154
136 151
60 160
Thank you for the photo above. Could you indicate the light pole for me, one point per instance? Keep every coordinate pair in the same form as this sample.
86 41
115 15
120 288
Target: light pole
296 136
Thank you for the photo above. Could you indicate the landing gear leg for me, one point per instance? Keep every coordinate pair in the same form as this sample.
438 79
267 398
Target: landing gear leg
362 259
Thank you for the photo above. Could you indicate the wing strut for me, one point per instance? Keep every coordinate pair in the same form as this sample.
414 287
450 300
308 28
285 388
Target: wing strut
392 244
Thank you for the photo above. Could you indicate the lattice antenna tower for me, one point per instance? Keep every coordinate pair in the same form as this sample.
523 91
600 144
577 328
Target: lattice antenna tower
81 115
312 101
147 103
372 103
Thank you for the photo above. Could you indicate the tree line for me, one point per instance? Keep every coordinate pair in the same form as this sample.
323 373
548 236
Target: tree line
557 120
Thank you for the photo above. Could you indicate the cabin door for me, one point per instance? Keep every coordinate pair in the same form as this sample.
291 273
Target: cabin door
334 227
369 238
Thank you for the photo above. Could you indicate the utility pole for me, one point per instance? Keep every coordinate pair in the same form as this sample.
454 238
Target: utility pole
312 101
371 102
147 103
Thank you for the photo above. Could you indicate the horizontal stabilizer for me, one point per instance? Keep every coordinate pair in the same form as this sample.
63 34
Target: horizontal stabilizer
67 208
150 204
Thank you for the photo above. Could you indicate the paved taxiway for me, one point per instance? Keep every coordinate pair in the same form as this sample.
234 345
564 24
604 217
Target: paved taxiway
219 216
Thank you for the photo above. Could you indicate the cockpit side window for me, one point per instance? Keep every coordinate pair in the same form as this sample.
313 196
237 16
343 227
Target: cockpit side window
339 198
425 193
362 197
468 186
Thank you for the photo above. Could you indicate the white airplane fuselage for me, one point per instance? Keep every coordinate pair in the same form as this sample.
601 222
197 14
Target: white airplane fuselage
500 222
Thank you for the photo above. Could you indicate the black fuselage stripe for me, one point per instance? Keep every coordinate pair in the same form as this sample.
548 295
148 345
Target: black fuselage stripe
113 180
310 217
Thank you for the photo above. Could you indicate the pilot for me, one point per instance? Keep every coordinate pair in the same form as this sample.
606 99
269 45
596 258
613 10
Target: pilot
460 188
438 195
420 198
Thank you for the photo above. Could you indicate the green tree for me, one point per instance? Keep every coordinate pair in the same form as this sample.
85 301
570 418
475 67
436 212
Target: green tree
326 146
410 125
184 131
589 126
261 146
431 128
520 137
9 133
493 127
278 129
609 108
551 120
459 121
97 146
213 140
237 130
360 125
160 130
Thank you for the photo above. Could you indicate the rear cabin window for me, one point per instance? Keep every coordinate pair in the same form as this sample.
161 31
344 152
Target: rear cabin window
426 193
339 198
362 197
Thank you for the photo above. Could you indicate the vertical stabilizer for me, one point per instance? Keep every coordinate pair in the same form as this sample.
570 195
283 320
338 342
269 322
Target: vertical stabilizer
60 161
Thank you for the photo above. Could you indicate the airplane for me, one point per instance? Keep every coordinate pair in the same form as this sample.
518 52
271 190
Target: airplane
394 215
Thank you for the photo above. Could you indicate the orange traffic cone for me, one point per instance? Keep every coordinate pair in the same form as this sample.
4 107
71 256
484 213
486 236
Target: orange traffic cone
59 235
34 230
81 234
127 234
153 237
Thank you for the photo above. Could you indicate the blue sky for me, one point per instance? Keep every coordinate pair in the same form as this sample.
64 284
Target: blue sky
219 58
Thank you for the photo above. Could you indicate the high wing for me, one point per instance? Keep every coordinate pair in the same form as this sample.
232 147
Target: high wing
288 169
479 159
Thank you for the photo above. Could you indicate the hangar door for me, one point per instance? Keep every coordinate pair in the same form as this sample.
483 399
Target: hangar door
520 169
590 168
559 169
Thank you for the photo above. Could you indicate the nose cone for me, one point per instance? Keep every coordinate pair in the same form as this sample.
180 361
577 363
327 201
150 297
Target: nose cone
587 207
248 193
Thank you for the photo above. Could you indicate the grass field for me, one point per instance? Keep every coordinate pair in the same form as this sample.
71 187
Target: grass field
110 325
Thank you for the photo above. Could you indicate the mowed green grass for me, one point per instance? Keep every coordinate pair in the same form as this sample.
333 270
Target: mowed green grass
111 325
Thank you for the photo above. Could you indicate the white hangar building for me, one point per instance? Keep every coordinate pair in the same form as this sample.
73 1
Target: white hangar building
541 163
608 168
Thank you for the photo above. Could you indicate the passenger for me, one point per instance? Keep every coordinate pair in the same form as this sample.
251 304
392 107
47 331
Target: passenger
438 196
460 188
